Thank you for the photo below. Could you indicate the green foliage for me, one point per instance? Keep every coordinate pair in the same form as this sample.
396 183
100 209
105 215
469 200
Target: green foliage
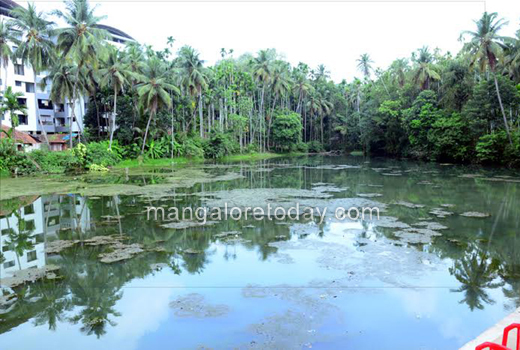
14 161
55 162
315 147
99 153
494 148
286 131
192 148
220 145
449 139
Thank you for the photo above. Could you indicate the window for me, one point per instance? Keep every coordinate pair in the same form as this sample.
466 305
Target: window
22 119
30 225
31 256
44 104
60 121
29 209
29 87
60 107
19 69
22 101
9 264
17 83
46 119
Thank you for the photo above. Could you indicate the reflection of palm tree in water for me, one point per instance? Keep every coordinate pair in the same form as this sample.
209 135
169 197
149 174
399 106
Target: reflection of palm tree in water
20 241
54 295
476 273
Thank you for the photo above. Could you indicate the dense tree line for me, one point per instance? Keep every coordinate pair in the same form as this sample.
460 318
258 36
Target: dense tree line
432 105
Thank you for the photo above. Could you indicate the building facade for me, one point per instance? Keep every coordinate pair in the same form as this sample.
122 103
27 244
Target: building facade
55 117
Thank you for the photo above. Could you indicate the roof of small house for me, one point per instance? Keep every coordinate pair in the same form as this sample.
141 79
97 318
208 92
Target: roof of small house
57 138
19 136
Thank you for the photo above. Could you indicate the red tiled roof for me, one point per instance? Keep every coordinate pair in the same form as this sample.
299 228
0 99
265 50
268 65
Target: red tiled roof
57 138
19 136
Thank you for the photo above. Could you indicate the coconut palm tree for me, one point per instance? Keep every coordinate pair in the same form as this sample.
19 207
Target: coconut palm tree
36 46
7 36
364 65
486 48
513 56
11 105
154 90
425 71
193 78
114 74
64 82
81 41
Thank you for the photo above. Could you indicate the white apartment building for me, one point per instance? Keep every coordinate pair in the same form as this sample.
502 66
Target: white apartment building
55 117
43 218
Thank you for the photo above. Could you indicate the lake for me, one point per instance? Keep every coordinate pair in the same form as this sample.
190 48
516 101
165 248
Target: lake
84 266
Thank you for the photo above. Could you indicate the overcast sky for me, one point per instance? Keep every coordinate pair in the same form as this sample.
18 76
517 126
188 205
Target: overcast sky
332 33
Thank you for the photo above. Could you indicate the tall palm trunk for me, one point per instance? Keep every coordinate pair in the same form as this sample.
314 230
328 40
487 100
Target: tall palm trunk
146 131
37 111
502 109
201 118
113 119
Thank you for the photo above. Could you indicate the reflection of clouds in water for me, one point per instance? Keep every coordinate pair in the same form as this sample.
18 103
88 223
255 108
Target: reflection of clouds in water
142 311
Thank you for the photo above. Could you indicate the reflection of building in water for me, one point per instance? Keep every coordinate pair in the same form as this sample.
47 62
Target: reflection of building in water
64 213
25 231
26 222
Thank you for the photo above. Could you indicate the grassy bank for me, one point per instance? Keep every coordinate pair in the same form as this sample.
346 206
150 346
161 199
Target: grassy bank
132 163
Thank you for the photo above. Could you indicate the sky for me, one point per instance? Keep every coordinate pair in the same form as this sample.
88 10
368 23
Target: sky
315 32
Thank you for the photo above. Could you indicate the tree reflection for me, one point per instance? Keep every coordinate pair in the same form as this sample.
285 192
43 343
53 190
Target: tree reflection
476 272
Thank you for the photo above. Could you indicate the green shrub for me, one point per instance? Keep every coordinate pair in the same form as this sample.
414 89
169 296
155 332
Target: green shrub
99 153
301 147
192 148
491 147
14 161
315 147
286 131
251 148
220 145
55 162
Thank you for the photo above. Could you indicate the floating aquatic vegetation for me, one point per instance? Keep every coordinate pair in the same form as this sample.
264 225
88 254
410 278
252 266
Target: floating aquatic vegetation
416 235
429 183
303 230
121 252
333 167
236 240
501 179
447 205
369 195
29 276
390 222
194 305
475 214
57 246
430 225
227 234
283 258
179 225
192 251
440 213
328 188
408 204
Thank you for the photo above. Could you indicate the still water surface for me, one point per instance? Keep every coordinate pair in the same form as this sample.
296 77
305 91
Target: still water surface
271 284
